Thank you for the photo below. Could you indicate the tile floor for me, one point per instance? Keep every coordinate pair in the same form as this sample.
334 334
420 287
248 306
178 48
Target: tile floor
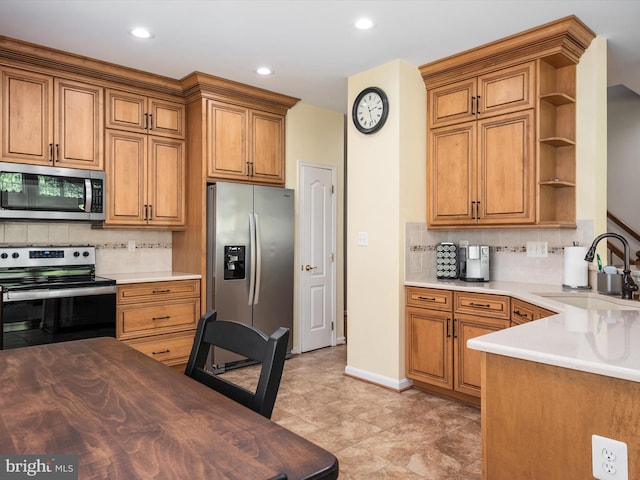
376 433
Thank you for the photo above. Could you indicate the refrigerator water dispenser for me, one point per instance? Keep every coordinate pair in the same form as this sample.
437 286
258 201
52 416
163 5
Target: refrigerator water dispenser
234 262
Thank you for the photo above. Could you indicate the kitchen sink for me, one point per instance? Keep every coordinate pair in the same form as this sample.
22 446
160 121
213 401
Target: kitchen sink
592 302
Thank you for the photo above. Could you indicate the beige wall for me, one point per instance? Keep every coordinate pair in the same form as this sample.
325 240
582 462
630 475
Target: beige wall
591 135
386 187
316 135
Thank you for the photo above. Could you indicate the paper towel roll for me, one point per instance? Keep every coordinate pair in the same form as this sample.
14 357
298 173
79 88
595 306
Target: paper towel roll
576 268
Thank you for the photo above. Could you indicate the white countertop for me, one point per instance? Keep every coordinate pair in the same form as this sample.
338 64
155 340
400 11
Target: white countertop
122 278
600 341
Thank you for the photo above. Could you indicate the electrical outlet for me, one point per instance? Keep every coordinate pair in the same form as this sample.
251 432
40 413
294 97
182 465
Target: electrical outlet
537 249
609 458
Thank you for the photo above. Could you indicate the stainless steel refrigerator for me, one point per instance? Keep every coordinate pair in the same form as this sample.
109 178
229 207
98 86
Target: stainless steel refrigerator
250 242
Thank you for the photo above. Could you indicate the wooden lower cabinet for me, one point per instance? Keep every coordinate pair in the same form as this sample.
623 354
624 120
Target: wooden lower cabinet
438 325
523 312
171 349
159 318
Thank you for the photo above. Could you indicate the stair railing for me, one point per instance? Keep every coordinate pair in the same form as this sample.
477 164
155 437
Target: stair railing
617 251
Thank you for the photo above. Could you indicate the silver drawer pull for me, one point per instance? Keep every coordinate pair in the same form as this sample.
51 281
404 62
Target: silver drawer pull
166 317
160 352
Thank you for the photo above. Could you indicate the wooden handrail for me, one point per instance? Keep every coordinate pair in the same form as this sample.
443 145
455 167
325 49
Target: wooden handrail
623 226
615 250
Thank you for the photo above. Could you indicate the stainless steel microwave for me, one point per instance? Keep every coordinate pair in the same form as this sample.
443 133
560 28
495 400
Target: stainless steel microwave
34 192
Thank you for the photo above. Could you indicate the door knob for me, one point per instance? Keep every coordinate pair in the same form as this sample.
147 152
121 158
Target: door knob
309 267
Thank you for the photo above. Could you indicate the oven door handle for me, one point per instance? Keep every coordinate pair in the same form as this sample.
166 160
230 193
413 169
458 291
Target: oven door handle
58 293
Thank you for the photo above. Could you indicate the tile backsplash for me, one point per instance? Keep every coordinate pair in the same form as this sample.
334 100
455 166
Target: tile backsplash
117 251
507 247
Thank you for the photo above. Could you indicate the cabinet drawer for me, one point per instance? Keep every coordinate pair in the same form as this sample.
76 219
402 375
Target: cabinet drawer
493 306
172 349
432 298
521 312
157 291
151 319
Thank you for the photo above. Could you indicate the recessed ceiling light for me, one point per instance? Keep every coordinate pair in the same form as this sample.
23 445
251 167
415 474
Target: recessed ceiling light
264 71
140 32
364 24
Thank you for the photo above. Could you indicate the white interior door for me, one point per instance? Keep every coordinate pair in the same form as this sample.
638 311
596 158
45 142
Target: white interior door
317 227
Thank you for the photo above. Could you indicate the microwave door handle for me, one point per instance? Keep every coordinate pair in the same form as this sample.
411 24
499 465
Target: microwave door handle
88 195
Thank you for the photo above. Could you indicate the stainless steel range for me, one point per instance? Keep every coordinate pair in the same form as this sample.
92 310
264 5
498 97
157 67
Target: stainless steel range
51 294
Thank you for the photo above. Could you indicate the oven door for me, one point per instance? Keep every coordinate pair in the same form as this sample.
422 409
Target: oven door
57 315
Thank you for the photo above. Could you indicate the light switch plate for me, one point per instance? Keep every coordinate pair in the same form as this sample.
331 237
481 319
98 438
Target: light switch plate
363 239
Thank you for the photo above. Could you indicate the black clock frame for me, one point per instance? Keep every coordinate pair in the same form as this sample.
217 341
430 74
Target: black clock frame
385 110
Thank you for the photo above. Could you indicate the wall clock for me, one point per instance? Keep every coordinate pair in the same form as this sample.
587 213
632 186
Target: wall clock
370 110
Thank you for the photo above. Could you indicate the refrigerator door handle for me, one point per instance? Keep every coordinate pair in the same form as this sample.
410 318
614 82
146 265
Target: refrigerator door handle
258 275
252 256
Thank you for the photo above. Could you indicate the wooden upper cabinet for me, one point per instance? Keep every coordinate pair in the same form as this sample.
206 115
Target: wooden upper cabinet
227 141
138 113
79 119
267 147
51 121
244 144
482 172
145 180
165 182
451 172
506 169
506 90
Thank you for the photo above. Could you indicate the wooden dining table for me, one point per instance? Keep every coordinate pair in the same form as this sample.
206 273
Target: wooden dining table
127 416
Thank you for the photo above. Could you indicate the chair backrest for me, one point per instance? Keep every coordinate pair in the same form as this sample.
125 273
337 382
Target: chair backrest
246 341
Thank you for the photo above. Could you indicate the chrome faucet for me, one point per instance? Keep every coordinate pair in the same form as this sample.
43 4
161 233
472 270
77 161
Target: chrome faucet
628 285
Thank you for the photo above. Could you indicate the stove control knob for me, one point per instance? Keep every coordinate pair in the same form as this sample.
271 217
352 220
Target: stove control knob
85 254
4 255
15 255
76 254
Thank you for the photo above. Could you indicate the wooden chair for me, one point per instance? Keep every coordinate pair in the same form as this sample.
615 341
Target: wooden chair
249 342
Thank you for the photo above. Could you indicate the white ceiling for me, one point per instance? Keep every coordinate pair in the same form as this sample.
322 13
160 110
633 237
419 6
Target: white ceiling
311 44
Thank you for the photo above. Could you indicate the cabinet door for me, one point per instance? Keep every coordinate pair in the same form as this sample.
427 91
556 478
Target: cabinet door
452 103
125 169
467 361
267 147
429 346
79 125
27 114
227 141
165 184
126 111
451 165
506 169
507 90
166 119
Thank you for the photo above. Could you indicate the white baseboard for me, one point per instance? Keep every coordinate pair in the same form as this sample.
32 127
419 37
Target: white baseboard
392 383
341 341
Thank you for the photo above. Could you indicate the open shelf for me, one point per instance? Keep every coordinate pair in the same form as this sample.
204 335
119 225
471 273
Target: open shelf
557 141
557 98
556 130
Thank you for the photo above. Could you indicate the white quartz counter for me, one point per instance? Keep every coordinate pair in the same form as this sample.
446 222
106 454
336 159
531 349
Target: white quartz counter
122 278
601 340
